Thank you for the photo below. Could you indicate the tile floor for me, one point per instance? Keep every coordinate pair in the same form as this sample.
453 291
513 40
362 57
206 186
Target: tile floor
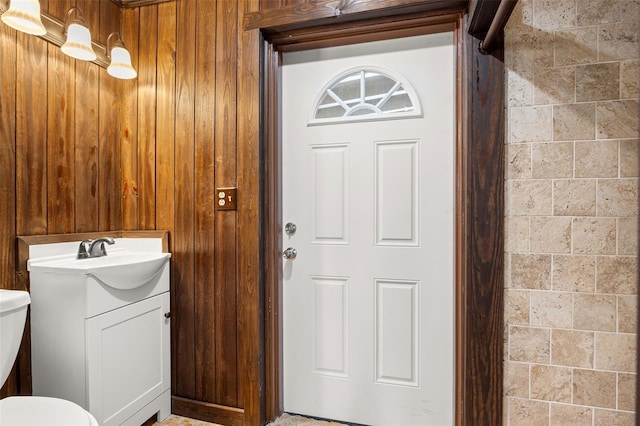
183 421
284 420
292 420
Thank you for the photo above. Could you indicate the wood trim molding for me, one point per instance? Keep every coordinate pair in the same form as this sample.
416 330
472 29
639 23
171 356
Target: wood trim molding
25 241
320 13
228 416
272 223
137 3
483 223
371 30
250 248
480 228
461 226
483 13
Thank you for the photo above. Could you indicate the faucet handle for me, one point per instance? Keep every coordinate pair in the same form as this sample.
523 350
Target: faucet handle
82 250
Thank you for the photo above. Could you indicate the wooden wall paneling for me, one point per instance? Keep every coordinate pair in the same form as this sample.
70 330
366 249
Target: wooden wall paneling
226 118
275 4
165 116
52 180
165 147
7 174
250 288
128 123
147 104
86 130
185 199
31 135
109 176
7 156
205 282
60 133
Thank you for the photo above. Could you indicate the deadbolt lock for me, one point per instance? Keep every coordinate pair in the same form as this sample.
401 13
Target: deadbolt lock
290 228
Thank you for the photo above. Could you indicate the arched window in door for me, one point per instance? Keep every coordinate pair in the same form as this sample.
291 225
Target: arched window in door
369 93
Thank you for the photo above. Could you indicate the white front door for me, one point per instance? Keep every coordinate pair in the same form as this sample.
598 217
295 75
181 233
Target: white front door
368 302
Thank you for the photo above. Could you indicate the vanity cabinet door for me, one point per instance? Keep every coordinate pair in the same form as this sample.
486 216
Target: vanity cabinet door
128 359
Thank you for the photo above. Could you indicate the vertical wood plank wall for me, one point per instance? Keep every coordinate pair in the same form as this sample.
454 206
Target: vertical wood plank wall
180 140
84 152
58 146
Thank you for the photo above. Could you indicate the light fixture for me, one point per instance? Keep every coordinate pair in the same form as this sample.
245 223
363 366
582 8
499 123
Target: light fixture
120 66
78 44
24 15
71 35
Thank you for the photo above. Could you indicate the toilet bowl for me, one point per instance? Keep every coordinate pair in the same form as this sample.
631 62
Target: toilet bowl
29 410
42 410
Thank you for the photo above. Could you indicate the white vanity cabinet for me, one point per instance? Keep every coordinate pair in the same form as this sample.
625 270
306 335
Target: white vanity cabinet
128 359
104 346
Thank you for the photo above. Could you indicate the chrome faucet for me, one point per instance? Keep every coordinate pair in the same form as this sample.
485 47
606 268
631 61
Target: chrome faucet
93 248
96 248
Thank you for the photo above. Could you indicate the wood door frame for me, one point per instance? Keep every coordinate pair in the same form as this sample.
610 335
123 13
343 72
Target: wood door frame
479 200
445 23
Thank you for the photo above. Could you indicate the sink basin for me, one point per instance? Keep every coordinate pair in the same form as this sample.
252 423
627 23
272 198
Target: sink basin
122 270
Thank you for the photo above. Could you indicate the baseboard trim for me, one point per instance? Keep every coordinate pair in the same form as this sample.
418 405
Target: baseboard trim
214 413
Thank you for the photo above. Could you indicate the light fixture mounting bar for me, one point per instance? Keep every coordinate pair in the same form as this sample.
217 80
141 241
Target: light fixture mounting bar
55 35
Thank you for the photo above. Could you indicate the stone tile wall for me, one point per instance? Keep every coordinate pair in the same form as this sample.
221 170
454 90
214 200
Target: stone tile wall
571 212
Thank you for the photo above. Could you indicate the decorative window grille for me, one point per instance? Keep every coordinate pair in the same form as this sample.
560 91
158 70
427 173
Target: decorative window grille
369 93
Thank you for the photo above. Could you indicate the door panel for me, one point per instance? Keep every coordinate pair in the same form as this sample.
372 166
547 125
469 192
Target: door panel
397 193
369 299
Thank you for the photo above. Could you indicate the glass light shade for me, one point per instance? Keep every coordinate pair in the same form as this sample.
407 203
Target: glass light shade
120 66
24 15
78 44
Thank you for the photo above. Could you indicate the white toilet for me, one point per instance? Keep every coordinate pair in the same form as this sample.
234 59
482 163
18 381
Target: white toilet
29 410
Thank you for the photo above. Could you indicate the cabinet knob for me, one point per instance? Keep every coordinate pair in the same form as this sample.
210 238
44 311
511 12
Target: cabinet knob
167 314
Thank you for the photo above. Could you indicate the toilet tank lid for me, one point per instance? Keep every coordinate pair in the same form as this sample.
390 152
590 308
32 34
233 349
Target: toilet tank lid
13 299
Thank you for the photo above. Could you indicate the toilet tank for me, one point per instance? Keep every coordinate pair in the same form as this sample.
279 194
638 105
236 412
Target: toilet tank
13 313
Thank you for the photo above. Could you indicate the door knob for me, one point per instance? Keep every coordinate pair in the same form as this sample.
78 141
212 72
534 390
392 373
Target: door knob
290 253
